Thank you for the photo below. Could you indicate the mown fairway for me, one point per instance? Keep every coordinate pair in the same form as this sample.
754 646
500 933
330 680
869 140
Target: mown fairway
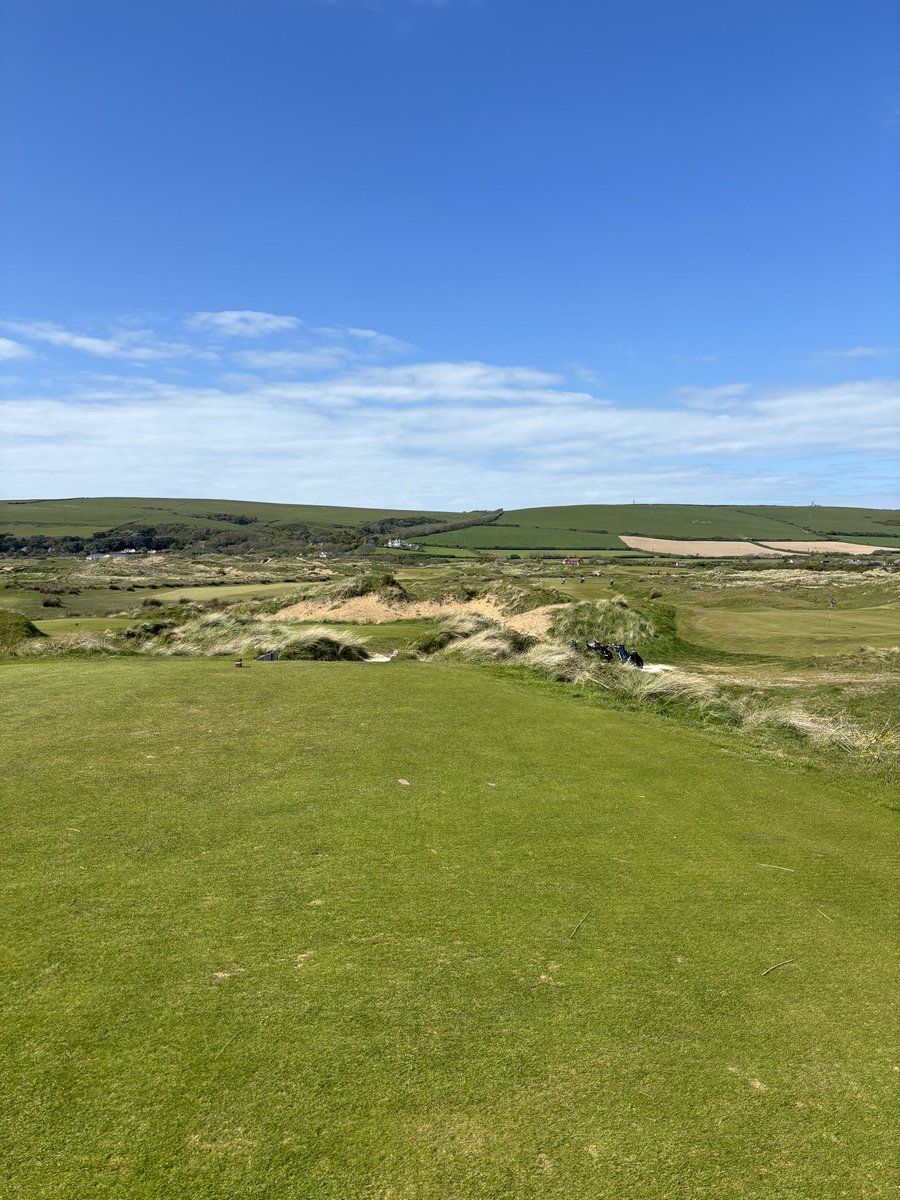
241 960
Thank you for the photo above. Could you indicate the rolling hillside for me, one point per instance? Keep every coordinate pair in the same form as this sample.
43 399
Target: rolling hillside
82 516
564 527
589 526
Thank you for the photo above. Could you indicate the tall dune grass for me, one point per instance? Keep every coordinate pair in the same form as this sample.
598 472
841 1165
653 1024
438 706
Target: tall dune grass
608 620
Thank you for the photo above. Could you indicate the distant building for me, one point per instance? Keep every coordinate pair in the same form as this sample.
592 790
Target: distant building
401 544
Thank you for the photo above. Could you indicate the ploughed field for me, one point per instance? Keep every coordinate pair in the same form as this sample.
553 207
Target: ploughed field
241 958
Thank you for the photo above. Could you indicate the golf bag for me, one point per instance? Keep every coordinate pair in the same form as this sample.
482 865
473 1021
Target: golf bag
635 659
622 652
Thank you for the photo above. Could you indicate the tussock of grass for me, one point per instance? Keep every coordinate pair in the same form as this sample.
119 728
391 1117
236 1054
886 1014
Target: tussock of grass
452 627
374 583
496 644
16 629
71 645
608 620
820 730
326 645
562 664
517 598
222 633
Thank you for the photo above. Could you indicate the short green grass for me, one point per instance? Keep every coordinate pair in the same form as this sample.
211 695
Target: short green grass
88 602
226 591
60 625
794 632
241 959
387 635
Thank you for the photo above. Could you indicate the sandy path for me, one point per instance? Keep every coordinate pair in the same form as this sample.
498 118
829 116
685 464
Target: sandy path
692 549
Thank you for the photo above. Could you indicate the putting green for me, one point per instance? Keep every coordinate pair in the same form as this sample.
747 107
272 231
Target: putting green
793 632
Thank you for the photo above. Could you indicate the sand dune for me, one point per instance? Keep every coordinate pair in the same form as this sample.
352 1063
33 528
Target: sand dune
370 610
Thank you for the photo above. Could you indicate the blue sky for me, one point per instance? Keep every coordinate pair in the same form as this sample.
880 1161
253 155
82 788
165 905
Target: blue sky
458 254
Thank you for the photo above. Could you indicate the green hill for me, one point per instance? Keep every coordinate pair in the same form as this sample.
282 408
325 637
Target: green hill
83 516
594 526
561 527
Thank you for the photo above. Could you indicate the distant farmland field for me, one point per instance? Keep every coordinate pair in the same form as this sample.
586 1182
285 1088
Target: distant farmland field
841 521
523 537
655 520
700 549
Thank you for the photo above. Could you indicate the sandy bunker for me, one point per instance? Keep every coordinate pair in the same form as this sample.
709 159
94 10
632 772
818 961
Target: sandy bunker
371 610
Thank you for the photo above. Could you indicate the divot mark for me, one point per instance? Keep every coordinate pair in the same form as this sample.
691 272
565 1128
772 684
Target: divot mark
404 783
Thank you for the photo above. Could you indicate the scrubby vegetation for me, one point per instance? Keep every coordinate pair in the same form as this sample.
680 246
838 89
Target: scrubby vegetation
607 620
15 629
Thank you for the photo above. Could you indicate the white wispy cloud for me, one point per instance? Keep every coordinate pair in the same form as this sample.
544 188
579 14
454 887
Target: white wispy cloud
323 358
323 421
10 349
858 352
724 396
371 338
139 345
242 323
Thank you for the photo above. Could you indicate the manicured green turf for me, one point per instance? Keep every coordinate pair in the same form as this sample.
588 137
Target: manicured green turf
794 632
388 635
228 591
85 624
241 960
89 602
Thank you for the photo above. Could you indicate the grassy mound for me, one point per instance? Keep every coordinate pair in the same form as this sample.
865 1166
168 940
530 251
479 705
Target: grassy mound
326 645
15 629
373 583
607 620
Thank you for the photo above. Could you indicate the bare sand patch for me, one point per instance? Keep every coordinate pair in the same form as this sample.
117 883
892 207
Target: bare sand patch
825 547
698 549
371 610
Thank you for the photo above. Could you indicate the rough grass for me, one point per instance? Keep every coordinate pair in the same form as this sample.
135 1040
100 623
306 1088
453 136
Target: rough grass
16 629
374 583
240 959
607 620
325 645
221 633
